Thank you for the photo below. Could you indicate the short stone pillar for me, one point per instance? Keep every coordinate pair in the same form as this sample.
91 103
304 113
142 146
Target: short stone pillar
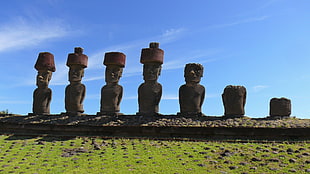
234 98
112 92
75 91
280 107
149 92
42 95
192 94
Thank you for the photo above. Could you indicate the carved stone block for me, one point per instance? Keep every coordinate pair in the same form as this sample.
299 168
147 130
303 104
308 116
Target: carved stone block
75 91
280 107
149 92
192 94
42 95
112 92
234 98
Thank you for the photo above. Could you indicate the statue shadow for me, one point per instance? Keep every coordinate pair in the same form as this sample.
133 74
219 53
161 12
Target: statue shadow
20 137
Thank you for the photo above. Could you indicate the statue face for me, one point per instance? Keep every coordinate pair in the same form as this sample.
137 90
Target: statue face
193 73
113 73
151 71
43 78
76 72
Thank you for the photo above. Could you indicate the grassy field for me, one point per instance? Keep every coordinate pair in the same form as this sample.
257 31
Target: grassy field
97 155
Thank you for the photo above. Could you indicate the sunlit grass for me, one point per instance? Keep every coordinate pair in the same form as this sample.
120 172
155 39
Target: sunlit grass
97 155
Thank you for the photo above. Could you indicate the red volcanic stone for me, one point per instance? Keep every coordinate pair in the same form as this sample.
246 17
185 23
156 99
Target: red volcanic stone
45 61
114 58
153 54
280 107
77 58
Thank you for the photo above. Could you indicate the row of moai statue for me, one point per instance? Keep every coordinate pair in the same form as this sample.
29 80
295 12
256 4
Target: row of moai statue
191 94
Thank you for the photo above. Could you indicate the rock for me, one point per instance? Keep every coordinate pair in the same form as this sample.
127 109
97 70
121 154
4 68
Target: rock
280 107
201 165
292 160
243 163
253 168
276 160
234 98
233 167
255 159
290 150
306 154
292 170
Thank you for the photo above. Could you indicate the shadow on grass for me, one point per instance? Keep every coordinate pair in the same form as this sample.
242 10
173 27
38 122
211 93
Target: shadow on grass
20 137
40 138
56 138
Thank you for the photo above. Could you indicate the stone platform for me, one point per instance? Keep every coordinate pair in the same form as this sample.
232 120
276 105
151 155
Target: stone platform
165 126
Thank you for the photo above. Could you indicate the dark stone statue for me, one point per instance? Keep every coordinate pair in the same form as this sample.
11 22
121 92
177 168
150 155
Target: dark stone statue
42 95
149 92
234 98
280 107
112 92
192 94
75 91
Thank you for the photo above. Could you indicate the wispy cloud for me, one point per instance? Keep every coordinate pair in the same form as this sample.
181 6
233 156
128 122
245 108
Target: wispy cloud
201 56
22 33
169 97
95 59
239 22
259 88
164 97
14 102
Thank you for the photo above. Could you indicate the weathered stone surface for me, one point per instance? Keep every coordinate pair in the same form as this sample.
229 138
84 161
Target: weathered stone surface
153 54
280 107
234 98
77 58
149 92
45 62
192 94
112 92
75 91
42 95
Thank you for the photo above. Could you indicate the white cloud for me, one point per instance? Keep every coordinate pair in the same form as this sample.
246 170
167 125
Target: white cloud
22 33
14 102
169 97
244 21
259 88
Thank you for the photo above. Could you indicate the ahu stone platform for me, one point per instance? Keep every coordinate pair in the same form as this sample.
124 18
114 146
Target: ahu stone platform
165 126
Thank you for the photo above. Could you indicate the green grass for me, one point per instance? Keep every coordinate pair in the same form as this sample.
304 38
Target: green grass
97 155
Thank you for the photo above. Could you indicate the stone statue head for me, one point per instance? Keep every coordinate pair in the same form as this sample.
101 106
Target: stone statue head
43 78
151 71
76 72
193 72
113 73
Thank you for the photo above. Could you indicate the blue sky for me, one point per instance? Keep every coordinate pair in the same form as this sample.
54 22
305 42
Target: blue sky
262 45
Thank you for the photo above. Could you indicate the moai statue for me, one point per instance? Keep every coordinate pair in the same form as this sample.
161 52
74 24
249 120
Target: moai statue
234 98
280 107
42 95
149 92
112 92
75 91
192 94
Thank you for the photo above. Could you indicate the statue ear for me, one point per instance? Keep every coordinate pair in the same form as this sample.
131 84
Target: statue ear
50 76
82 74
